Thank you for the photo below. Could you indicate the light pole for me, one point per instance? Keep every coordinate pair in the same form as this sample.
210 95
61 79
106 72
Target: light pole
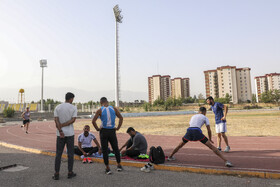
43 64
118 17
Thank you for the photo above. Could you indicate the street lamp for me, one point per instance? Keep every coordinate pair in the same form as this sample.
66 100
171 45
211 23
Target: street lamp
43 64
118 17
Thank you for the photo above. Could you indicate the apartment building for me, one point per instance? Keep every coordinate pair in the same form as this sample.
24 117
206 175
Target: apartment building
229 80
267 82
163 87
159 87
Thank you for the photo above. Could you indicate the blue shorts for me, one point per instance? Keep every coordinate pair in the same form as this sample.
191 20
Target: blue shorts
195 134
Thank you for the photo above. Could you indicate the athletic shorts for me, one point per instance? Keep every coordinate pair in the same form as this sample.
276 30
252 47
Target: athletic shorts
26 121
221 127
194 134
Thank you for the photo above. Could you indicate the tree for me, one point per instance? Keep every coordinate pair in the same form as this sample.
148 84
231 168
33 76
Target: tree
276 96
200 96
159 102
254 98
266 97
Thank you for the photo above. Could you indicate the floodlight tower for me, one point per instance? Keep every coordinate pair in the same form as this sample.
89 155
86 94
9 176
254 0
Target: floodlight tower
43 64
118 17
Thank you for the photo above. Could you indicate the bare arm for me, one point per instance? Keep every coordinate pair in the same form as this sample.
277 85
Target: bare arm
97 114
80 147
68 122
225 112
209 133
58 126
97 143
118 114
22 115
124 145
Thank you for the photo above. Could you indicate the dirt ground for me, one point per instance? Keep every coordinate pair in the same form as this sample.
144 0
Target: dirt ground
244 123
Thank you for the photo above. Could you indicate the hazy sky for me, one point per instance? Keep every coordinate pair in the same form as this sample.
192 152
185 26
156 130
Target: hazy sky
179 38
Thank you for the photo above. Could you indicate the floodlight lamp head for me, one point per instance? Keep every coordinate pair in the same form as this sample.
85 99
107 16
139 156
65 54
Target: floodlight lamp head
117 13
43 63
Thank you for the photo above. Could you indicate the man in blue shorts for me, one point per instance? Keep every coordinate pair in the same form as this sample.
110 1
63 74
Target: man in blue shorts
220 112
194 133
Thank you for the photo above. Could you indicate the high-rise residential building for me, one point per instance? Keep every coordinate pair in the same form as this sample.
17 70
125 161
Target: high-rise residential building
267 82
159 87
186 87
229 80
180 87
163 87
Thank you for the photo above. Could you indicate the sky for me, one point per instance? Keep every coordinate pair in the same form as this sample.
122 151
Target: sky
179 38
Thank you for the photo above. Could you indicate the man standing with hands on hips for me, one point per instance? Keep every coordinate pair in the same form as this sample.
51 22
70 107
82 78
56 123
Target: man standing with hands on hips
108 130
220 110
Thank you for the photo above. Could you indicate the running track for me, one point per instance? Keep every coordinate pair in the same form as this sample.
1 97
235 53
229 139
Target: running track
248 153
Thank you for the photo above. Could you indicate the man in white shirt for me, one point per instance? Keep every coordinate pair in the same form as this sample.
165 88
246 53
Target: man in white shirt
85 147
194 133
64 116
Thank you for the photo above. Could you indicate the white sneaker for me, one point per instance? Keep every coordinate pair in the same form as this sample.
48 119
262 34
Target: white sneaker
228 164
82 157
171 158
227 149
146 169
151 166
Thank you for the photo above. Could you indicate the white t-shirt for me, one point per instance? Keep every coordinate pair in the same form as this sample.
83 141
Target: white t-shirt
199 120
66 112
86 141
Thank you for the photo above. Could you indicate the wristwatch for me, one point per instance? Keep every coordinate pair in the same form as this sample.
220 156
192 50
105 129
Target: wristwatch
60 131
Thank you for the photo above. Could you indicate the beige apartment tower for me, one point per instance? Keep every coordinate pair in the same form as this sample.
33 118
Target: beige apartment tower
164 87
229 80
267 82
159 87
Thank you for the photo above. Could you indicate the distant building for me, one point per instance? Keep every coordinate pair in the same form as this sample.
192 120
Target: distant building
180 87
163 87
229 80
267 82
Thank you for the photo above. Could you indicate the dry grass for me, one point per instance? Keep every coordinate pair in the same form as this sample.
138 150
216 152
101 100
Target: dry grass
252 123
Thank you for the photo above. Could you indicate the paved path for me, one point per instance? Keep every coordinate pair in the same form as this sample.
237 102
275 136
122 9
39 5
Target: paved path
93 175
248 153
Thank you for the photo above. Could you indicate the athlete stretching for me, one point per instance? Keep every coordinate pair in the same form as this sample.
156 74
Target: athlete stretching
194 133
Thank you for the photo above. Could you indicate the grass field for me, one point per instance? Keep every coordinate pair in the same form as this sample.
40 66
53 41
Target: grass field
245 123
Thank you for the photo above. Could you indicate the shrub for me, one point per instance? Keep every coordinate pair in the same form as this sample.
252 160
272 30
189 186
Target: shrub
9 112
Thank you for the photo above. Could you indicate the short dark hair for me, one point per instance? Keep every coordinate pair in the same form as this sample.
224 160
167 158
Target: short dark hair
103 100
210 98
130 129
87 126
69 96
202 109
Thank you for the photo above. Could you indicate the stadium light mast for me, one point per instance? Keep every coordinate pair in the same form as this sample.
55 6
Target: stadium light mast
118 17
43 64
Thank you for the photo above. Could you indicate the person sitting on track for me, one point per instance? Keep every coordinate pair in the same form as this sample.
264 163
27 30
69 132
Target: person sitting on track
194 133
85 147
135 145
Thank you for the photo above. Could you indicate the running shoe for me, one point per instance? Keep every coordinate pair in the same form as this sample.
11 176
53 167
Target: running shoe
227 149
89 160
171 158
71 175
84 160
220 149
228 164
22 126
119 168
55 177
146 169
26 132
151 166
108 172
